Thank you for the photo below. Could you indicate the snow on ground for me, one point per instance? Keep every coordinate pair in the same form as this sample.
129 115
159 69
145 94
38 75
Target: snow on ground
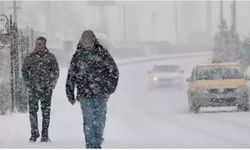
137 117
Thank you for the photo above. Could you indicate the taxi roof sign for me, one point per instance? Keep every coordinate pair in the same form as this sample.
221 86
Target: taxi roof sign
217 60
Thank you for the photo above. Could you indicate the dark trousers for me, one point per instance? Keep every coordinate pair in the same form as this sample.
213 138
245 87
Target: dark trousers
45 98
94 118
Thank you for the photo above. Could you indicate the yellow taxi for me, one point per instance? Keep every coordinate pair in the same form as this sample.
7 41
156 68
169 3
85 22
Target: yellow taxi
217 84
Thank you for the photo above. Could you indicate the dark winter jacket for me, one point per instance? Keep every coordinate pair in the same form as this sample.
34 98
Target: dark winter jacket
40 70
94 74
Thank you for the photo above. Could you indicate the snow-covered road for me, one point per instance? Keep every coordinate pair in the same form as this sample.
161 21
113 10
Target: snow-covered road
137 117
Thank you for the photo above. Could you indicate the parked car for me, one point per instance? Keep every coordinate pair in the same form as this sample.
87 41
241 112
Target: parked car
218 84
166 76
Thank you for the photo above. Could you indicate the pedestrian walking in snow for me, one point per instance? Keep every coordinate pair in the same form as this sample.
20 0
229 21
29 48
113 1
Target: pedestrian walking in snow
94 73
40 72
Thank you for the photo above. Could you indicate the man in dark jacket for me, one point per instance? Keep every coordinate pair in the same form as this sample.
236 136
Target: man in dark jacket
95 75
40 72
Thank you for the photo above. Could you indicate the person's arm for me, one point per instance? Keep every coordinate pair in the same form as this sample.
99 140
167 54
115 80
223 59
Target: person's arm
54 71
112 75
26 71
71 80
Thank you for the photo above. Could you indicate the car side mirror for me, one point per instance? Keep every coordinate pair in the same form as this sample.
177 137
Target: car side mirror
247 77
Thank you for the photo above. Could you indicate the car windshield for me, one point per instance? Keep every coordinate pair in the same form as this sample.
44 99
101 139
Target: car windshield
166 68
218 73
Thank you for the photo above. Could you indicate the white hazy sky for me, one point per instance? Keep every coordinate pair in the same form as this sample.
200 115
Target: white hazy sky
67 19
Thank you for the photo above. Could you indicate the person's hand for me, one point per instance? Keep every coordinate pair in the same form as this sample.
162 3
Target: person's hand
72 101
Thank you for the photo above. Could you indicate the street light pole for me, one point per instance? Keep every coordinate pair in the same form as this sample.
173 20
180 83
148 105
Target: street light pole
14 56
14 11
221 13
12 79
233 14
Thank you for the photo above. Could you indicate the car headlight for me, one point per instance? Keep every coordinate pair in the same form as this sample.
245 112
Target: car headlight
241 90
202 91
155 78
220 90
238 90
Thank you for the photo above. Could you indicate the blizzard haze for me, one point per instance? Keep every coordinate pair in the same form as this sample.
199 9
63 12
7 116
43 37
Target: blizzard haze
144 20
139 36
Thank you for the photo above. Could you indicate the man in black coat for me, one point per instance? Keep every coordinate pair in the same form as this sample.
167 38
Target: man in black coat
94 73
40 72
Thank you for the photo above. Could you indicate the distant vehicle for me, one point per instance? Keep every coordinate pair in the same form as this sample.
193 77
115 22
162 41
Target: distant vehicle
166 76
218 84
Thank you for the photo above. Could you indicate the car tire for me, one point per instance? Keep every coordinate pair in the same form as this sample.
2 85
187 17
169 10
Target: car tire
193 108
243 107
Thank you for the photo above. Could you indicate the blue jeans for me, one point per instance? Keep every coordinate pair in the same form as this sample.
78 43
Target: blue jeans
94 118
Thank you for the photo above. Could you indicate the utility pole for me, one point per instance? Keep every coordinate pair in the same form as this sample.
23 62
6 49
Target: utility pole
176 24
221 13
14 11
14 57
15 7
233 24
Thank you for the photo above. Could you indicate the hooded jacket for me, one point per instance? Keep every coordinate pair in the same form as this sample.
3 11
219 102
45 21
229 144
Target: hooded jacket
93 73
